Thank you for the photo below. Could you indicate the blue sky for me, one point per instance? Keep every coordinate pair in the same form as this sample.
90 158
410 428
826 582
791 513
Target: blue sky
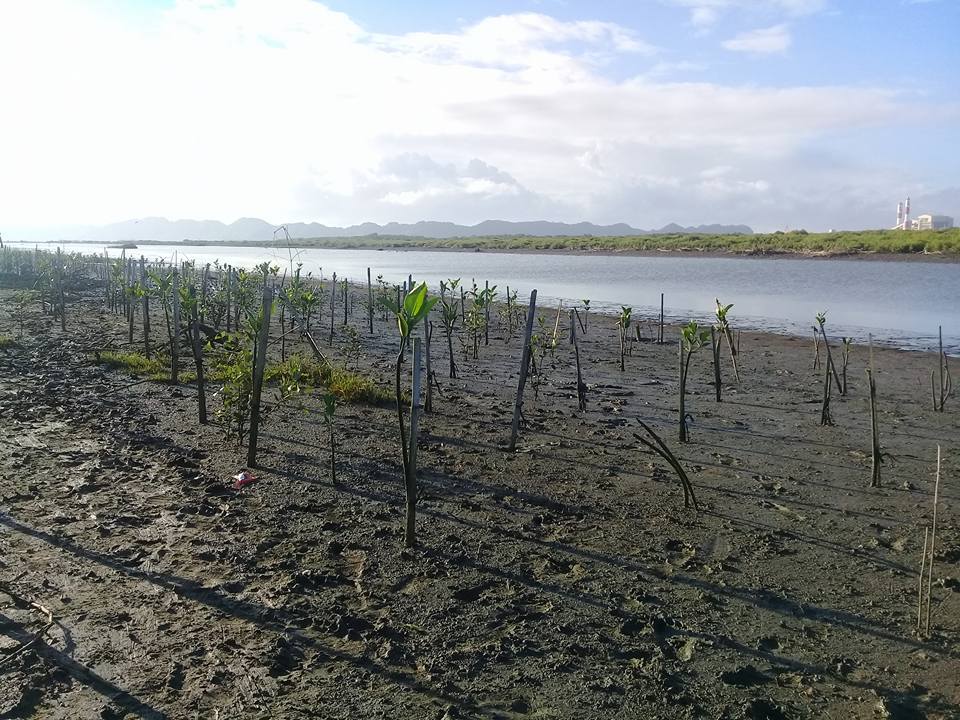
774 113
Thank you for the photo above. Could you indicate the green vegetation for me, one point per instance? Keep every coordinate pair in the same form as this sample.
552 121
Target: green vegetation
7 342
136 363
345 385
796 241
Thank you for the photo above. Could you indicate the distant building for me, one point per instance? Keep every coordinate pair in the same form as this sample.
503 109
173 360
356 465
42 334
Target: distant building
932 222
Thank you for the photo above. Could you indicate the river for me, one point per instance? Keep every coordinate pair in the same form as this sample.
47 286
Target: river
898 303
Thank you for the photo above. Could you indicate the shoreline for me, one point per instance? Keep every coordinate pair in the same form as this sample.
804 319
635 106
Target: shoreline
864 255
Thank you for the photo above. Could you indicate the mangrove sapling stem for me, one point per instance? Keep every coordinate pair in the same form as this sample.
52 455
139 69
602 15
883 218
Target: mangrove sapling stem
923 568
684 435
346 300
202 313
933 543
198 356
825 417
175 335
661 449
946 382
826 345
816 348
845 361
369 302
715 347
524 364
259 364
410 536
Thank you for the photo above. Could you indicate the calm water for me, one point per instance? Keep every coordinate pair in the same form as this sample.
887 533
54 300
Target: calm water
899 303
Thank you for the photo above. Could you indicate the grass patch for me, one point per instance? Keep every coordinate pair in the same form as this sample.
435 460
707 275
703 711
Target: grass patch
347 385
138 364
7 342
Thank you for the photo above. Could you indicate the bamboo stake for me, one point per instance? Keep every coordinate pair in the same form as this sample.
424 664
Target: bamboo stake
198 356
410 536
660 330
146 306
923 567
933 542
175 345
428 337
524 364
715 348
333 301
486 312
369 301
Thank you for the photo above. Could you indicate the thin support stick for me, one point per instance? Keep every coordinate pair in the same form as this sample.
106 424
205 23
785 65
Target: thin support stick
524 364
933 543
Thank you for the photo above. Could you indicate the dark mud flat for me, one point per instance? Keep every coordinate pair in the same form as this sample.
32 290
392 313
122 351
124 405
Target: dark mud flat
565 580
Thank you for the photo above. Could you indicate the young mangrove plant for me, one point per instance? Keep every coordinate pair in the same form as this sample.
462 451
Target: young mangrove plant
623 323
586 314
660 448
945 389
449 312
726 332
821 319
329 401
692 338
413 310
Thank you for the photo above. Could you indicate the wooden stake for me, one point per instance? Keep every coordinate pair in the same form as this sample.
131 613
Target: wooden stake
197 356
175 345
660 331
410 536
428 336
524 364
486 312
923 568
715 347
369 301
259 364
333 302
933 543
146 307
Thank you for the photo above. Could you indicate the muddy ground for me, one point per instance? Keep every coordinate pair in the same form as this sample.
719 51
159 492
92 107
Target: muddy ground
565 580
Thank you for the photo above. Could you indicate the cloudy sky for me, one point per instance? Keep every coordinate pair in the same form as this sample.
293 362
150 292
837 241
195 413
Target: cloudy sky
775 113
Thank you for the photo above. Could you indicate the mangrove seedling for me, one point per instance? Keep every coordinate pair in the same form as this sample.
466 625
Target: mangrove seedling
723 325
413 310
692 338
660 448
449 312
821 319
945 389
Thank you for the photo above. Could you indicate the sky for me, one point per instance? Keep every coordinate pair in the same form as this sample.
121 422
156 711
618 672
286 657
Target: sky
780 114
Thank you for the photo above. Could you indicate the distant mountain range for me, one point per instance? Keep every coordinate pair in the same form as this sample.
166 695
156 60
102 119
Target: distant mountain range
255 230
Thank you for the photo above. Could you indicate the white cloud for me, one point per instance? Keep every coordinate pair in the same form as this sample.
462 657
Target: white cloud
288 110
762 41
704 13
